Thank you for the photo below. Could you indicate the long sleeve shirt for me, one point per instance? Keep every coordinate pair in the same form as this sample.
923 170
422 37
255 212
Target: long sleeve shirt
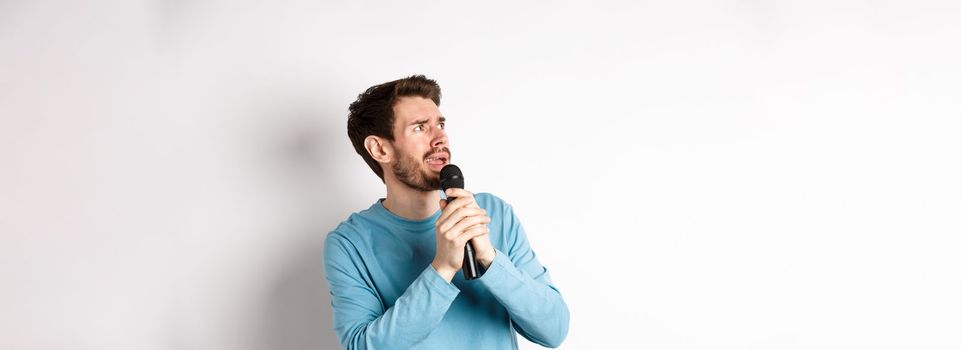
386 295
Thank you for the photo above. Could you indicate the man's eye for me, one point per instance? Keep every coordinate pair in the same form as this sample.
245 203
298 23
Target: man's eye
442 125
419 128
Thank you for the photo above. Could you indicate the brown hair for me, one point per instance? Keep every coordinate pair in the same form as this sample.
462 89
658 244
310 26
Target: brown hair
373 112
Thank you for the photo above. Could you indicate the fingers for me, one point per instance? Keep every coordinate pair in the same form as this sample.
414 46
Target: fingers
454 205
459 202
461 219
470 222
471 233
458 228
458 193
459 215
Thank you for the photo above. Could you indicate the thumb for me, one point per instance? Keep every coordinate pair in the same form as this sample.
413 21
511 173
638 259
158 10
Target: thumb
443 204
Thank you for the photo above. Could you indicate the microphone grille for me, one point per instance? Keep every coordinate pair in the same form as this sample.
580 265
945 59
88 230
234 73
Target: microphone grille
451 177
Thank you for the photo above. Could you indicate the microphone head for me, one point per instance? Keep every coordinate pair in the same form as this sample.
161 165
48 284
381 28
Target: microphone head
451 177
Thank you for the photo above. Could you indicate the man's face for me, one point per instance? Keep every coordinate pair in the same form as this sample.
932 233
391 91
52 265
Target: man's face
420 143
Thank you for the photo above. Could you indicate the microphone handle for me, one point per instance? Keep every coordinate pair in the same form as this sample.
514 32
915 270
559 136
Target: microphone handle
470 263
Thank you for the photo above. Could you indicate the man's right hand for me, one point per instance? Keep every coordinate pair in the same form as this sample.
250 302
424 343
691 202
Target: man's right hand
460 221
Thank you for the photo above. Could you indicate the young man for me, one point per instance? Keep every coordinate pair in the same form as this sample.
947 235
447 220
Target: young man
394 268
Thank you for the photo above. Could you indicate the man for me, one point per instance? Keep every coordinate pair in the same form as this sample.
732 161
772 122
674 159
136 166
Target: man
394 268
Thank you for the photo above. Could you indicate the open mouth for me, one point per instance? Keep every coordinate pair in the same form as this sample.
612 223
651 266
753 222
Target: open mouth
437 160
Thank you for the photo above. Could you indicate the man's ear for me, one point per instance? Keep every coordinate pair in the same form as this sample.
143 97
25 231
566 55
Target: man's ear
379 149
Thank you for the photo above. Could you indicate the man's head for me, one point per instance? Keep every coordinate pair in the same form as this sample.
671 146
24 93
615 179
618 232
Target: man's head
397 124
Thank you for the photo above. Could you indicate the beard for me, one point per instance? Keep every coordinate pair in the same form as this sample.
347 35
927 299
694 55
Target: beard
412 172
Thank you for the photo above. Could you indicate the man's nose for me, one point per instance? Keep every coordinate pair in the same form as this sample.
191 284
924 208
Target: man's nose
440 138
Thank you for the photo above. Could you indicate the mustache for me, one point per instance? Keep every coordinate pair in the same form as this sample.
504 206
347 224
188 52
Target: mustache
437 150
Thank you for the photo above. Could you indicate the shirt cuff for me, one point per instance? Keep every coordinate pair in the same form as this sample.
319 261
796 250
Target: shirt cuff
434 281
501 267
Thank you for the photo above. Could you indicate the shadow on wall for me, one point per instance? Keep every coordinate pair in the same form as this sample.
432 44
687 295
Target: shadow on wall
297 312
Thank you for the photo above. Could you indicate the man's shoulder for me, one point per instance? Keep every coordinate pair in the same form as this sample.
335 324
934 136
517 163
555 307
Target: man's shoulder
490 201
355 226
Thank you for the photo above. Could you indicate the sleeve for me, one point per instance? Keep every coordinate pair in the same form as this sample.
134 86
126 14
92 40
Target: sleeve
523 286
360 318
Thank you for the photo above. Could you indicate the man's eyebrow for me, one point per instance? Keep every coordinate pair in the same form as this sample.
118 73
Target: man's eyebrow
425 120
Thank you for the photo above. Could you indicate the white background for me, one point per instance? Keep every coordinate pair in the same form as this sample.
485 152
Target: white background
695 174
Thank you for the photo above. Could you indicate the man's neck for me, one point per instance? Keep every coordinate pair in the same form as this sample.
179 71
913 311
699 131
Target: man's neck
409 203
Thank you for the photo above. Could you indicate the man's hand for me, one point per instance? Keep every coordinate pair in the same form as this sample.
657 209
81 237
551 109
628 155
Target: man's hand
460 221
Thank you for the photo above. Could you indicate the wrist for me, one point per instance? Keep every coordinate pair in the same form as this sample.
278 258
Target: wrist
445 272
487 259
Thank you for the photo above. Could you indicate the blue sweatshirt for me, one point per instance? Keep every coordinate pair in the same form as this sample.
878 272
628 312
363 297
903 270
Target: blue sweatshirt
386 295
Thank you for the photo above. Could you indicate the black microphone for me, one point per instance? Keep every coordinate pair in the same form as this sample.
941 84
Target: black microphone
451 177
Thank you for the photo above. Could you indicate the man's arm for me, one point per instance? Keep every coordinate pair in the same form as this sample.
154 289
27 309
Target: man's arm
360 320
523 286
